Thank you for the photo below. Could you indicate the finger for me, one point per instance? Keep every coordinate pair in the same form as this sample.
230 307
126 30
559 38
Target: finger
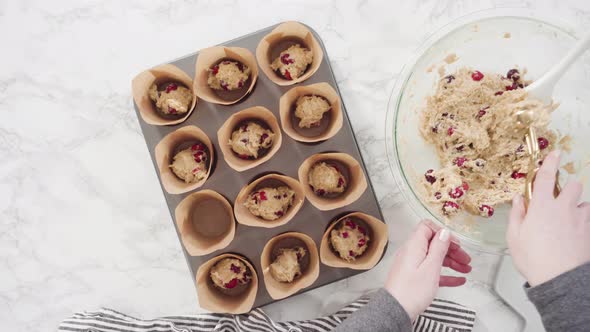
422 235
517 214
545 180
459 255
439 246
450 263
449 281
572 192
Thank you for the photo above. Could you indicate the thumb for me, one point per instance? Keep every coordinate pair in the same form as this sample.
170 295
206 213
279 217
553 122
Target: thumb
517 214
439 246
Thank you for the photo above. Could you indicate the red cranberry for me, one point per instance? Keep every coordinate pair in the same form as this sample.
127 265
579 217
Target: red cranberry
215 70
198 147
456 193
263 138
459 161
445 114
232 284
224 85
298 256
262 195
482 112
449 206
286 60
450 131
351 253
244 156
488 210
226 62
350 223
279 213
241 84
235 268
244 128
362 230
499 93
172 110
430 178
513 74
320 192
362 242
465 186
171 87
195 170
288 75
449 78
460 147
518 175
437 195
240 66
345 235
244 140
340 182
435 129
543 143
477 75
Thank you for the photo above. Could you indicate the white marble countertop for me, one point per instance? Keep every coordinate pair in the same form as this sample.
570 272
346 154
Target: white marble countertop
83 223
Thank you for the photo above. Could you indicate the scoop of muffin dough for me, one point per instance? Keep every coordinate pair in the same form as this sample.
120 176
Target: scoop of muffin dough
310 110
292 62
228 75
270 203
190 164
229 273
286 267
249 139
349 239
325 179
173 99
470 120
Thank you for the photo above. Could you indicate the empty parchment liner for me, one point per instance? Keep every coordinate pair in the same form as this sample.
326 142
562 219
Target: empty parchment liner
244 216
310 264
211 56
171 144
281 38
330 123
260 115
352 172
161 74
378 239
212 299
205 222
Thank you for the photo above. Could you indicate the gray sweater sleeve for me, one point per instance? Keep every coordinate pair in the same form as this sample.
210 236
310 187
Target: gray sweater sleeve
382 313
564 302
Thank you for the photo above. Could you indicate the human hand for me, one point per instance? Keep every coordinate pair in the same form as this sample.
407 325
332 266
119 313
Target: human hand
553 236
414 276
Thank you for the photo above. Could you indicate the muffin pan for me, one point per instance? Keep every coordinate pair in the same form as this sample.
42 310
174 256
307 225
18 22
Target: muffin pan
249 241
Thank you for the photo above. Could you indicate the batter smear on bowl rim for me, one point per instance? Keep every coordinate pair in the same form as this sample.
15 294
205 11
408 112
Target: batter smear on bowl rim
471 122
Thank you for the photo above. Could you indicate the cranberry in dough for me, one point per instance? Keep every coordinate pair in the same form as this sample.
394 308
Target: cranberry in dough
286 267
292 62
229 273
349 239
325 179
190 164
249 139
171 99
470 121
228 76
270 203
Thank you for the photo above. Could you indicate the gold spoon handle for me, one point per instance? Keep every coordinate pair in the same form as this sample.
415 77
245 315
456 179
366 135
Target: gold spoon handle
535 160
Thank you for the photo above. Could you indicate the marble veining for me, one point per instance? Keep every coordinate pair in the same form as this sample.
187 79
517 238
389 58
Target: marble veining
83 223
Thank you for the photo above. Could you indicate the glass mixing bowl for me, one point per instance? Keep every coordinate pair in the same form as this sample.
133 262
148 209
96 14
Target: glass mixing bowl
480 41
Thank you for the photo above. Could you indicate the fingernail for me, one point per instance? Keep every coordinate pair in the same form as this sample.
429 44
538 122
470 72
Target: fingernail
556 154
444 235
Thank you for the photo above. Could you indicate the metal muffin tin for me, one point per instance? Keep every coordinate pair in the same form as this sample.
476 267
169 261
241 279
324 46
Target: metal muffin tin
249 241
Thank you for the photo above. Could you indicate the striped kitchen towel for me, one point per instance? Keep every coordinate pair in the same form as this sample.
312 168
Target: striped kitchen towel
441 316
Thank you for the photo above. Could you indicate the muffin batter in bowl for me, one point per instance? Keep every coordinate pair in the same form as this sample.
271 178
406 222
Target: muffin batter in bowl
472 124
